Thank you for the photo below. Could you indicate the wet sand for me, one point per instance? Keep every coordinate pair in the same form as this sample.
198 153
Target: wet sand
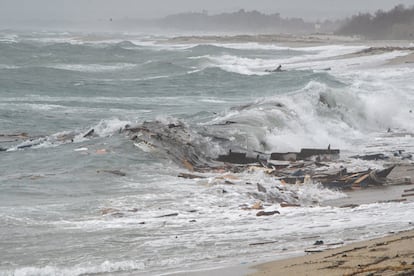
399 180
391 255
408 59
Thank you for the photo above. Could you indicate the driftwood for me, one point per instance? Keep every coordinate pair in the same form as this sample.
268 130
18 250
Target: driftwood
393 200
262 243
267 213
116 172
339 179
306 154
190 176
237 158
377 156
289 205
168 215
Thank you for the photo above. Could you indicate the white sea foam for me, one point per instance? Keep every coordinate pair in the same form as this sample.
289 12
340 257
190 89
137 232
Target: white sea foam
9 38
105 128
93 68
7 66
320 57
251 46
212 100
340 64
108 127
375 100
228 230
241 65
82 269
286 121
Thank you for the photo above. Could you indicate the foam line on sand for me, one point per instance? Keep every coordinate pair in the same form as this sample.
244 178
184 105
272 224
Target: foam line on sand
390 255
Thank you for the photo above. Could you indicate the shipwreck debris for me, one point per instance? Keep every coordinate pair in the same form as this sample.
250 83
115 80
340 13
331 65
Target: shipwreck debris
189 149
115 172
168 215
190 176
237 158
307 154
267 213
369 157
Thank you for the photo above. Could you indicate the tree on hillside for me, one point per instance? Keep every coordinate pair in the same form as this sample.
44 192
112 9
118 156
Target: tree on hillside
397 23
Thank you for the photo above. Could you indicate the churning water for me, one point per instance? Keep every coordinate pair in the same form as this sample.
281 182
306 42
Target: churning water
64 212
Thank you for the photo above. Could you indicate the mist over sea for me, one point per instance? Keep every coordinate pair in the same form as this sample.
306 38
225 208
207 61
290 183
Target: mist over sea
63 210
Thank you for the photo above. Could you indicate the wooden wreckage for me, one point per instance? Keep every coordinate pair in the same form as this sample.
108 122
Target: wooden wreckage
188 150
299 167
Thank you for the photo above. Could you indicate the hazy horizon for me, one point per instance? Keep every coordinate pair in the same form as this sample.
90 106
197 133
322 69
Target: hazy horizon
93 10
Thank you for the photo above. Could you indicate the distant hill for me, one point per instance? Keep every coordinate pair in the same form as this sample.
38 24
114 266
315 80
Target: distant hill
241 22
397 23
247 21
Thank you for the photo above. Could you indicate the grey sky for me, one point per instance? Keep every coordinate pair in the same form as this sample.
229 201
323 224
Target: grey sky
104 9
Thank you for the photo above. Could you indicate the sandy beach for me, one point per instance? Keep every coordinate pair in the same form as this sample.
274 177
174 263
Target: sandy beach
391 255
403 60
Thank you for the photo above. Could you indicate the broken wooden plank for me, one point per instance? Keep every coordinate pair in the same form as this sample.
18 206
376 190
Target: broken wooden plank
393 200
328 154
116 172
168 215
360 180
188 165
385 172
237 158
289 205
267 213
314 250
262 243
371 157
190 176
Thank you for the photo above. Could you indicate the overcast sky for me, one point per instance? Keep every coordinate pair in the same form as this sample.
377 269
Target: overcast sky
103 9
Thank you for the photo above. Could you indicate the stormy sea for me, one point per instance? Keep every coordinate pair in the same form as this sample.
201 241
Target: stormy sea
84 190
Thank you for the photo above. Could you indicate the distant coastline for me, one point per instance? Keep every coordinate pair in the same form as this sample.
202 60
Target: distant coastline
280 39
289 40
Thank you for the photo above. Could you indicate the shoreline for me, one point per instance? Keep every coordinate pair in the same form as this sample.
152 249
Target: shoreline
315 263
288 40
313 40
390 254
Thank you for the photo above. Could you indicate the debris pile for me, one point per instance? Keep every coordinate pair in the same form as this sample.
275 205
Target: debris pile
188 149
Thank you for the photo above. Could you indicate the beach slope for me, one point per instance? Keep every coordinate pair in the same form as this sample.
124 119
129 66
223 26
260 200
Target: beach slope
391 255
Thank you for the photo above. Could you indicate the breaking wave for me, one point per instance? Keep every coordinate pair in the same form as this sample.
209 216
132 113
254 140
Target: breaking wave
104 128
105 267
93 68
316 115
